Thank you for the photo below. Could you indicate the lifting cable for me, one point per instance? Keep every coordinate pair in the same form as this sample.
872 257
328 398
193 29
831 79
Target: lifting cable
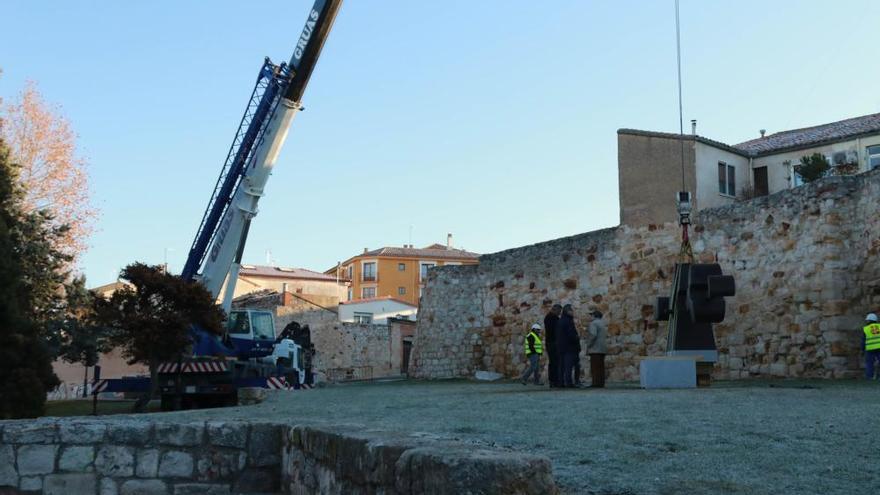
686 253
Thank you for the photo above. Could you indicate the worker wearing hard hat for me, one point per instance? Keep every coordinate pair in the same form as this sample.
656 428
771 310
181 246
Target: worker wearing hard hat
872 345
533 348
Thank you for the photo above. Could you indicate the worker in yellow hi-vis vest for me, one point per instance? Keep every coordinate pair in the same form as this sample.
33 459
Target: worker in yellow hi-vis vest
533 349
872 345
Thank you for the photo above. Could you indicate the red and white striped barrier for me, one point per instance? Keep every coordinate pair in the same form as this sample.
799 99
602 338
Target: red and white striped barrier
194 367
277 383
280 383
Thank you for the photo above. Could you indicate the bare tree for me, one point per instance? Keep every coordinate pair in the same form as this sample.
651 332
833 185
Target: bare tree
52 173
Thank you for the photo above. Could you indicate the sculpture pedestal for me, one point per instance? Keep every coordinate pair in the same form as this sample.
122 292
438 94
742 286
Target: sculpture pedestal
668 372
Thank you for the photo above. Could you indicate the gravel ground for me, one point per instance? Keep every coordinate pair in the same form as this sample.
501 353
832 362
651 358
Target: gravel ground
735 437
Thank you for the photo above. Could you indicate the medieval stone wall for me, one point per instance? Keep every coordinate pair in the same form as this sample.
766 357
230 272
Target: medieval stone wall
343 351
805 263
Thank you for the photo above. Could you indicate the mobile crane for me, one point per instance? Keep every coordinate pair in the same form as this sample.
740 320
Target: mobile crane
249 355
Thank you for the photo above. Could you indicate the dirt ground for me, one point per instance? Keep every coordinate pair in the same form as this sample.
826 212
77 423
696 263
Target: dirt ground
735 437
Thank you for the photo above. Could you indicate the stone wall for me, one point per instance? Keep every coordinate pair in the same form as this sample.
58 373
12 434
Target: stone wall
371 351
144 457
804 262
351 461
127 457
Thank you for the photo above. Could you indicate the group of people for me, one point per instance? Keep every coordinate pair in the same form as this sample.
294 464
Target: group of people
562 344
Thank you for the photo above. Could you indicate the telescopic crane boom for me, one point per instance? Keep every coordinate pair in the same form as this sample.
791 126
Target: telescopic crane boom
215 255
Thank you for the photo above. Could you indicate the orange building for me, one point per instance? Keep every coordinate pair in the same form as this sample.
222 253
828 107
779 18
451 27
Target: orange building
398 272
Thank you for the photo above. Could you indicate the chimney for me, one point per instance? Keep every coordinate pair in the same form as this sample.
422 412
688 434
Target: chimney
365 250
448 241
286 297
694 127
763 131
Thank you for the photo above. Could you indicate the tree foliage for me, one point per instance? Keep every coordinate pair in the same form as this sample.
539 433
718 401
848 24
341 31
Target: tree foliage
25 363
81 338
150 320
52 174
812 167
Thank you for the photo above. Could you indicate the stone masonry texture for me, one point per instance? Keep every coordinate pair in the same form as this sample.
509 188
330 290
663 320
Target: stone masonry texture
804 260
225 457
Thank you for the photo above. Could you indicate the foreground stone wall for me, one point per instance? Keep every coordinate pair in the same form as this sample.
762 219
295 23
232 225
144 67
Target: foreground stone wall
804 261
351 461
142 457
109 457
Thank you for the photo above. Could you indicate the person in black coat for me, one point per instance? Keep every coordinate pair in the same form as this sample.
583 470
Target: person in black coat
550 323
568 346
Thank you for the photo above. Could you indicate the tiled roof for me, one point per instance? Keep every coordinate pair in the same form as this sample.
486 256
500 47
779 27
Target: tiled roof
437 251
432 252
812 136
282 272
374 299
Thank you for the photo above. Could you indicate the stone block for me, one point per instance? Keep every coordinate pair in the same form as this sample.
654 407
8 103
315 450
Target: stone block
130 432
108 487
231 434
779 369
78 459
176 465
180 435
8 475
463 470
256 480
264 445
668 373
36 459
115 460
70 484
216 464
31 484
81 433
144 487
201 489
30 432
147 463
251 395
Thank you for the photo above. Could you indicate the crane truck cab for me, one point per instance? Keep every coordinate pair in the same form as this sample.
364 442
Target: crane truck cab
252 335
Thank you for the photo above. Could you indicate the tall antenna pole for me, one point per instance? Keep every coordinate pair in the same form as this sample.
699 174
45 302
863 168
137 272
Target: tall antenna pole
680 112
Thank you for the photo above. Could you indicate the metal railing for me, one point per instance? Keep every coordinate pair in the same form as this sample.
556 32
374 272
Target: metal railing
357 373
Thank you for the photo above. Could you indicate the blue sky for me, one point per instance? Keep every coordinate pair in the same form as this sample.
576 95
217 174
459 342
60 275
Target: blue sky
494 120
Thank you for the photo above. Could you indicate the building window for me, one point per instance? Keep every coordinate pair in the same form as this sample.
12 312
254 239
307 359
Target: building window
369 271
350 272
873 153
401 267
350 293
423 270
401 291
368 292
363 318
726 179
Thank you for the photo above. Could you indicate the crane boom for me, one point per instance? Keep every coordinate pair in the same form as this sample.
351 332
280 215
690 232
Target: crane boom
216 251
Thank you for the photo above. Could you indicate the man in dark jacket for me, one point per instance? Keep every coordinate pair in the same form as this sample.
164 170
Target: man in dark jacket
568 345
550 323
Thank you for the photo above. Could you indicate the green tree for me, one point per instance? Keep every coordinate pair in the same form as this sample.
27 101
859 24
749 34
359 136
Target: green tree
150 321
812 167
81 338
25 363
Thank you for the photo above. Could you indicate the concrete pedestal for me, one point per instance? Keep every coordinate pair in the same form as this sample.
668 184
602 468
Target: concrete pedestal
668 372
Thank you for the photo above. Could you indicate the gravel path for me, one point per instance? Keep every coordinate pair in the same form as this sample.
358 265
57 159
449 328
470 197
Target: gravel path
735 437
